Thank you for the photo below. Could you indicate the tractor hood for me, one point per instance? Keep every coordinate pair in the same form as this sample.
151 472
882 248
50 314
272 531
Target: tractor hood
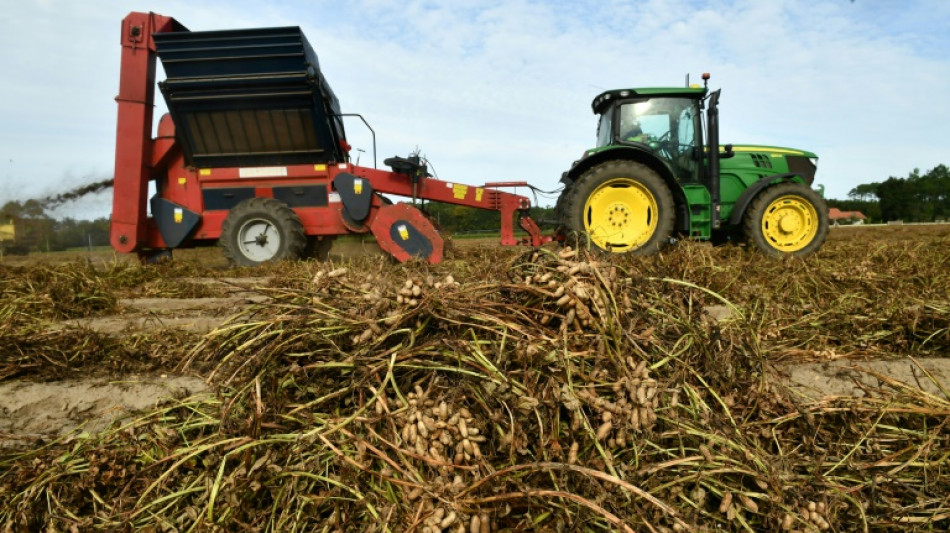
770 159
778 151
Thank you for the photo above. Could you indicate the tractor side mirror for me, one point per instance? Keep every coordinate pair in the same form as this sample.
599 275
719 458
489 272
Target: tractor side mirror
727 152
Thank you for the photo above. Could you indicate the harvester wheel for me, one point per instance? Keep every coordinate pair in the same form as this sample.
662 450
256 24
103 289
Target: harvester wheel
261 230
319 247
619 207
787 219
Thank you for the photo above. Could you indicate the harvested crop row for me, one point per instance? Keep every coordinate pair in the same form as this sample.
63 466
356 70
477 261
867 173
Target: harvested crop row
548 390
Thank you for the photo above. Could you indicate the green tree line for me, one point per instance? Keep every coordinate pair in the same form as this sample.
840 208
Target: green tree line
458 219
916 198
37 231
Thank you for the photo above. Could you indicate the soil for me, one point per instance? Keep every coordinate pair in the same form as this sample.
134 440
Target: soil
868 351
197 315
30 411
42 410
823 380
820 381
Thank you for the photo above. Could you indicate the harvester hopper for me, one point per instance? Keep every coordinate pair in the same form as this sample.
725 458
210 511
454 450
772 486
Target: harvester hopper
251 97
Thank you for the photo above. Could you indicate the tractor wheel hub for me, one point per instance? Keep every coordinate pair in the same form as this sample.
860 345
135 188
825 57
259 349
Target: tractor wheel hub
789 224
618 215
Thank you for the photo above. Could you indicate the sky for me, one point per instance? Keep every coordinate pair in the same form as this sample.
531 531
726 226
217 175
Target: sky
501 90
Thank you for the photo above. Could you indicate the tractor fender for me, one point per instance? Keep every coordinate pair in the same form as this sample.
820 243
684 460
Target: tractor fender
744 199
640 156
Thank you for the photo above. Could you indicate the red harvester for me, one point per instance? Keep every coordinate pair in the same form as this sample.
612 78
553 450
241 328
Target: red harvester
253 155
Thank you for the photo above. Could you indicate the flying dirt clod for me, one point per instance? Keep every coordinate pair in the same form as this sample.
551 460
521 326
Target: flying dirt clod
52 202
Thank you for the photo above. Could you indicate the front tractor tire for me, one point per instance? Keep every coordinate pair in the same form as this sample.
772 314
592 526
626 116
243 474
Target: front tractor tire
262 230
788 219
619 207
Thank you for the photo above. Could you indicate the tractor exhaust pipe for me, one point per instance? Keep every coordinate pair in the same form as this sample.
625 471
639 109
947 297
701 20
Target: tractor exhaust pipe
712 124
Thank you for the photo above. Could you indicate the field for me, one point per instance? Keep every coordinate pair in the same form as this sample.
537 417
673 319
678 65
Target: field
704 389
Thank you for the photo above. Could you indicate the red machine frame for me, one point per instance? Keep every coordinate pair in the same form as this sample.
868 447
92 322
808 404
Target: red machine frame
140 159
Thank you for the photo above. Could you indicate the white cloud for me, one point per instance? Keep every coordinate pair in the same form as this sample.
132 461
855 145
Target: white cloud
494 90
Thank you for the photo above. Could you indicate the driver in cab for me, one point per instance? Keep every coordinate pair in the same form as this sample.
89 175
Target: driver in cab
683 162
634 133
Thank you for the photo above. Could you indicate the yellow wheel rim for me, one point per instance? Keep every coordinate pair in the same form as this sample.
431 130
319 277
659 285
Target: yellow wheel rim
620 215
790 223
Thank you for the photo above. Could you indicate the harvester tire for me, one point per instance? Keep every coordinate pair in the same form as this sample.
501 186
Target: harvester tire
262 230
318 247
619 207
787 219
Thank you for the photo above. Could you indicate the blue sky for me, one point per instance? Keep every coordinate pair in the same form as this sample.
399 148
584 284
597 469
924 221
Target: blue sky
493 91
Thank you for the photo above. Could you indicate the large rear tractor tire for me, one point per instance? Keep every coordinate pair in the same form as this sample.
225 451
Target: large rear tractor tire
262 230
560 214
619 207
787 219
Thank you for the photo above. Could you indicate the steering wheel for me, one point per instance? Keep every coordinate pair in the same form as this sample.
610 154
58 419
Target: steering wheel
667 145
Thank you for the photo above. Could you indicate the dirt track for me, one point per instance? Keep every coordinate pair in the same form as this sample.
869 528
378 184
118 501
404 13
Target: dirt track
30 410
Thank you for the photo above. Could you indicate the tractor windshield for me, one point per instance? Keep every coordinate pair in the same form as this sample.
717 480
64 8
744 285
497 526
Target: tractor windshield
669 127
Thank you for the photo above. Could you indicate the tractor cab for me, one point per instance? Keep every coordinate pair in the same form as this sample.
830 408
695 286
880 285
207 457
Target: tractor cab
664 122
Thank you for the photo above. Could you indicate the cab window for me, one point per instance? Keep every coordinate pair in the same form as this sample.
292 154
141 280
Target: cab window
668 127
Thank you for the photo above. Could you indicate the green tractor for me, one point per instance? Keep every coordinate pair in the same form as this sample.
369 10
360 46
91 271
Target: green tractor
654 176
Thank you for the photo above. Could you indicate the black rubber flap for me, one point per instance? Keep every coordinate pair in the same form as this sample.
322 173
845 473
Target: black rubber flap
356 195
407 237
253 97
175 223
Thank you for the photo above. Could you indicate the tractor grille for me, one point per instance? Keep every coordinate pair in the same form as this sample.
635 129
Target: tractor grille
803 166
761 160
